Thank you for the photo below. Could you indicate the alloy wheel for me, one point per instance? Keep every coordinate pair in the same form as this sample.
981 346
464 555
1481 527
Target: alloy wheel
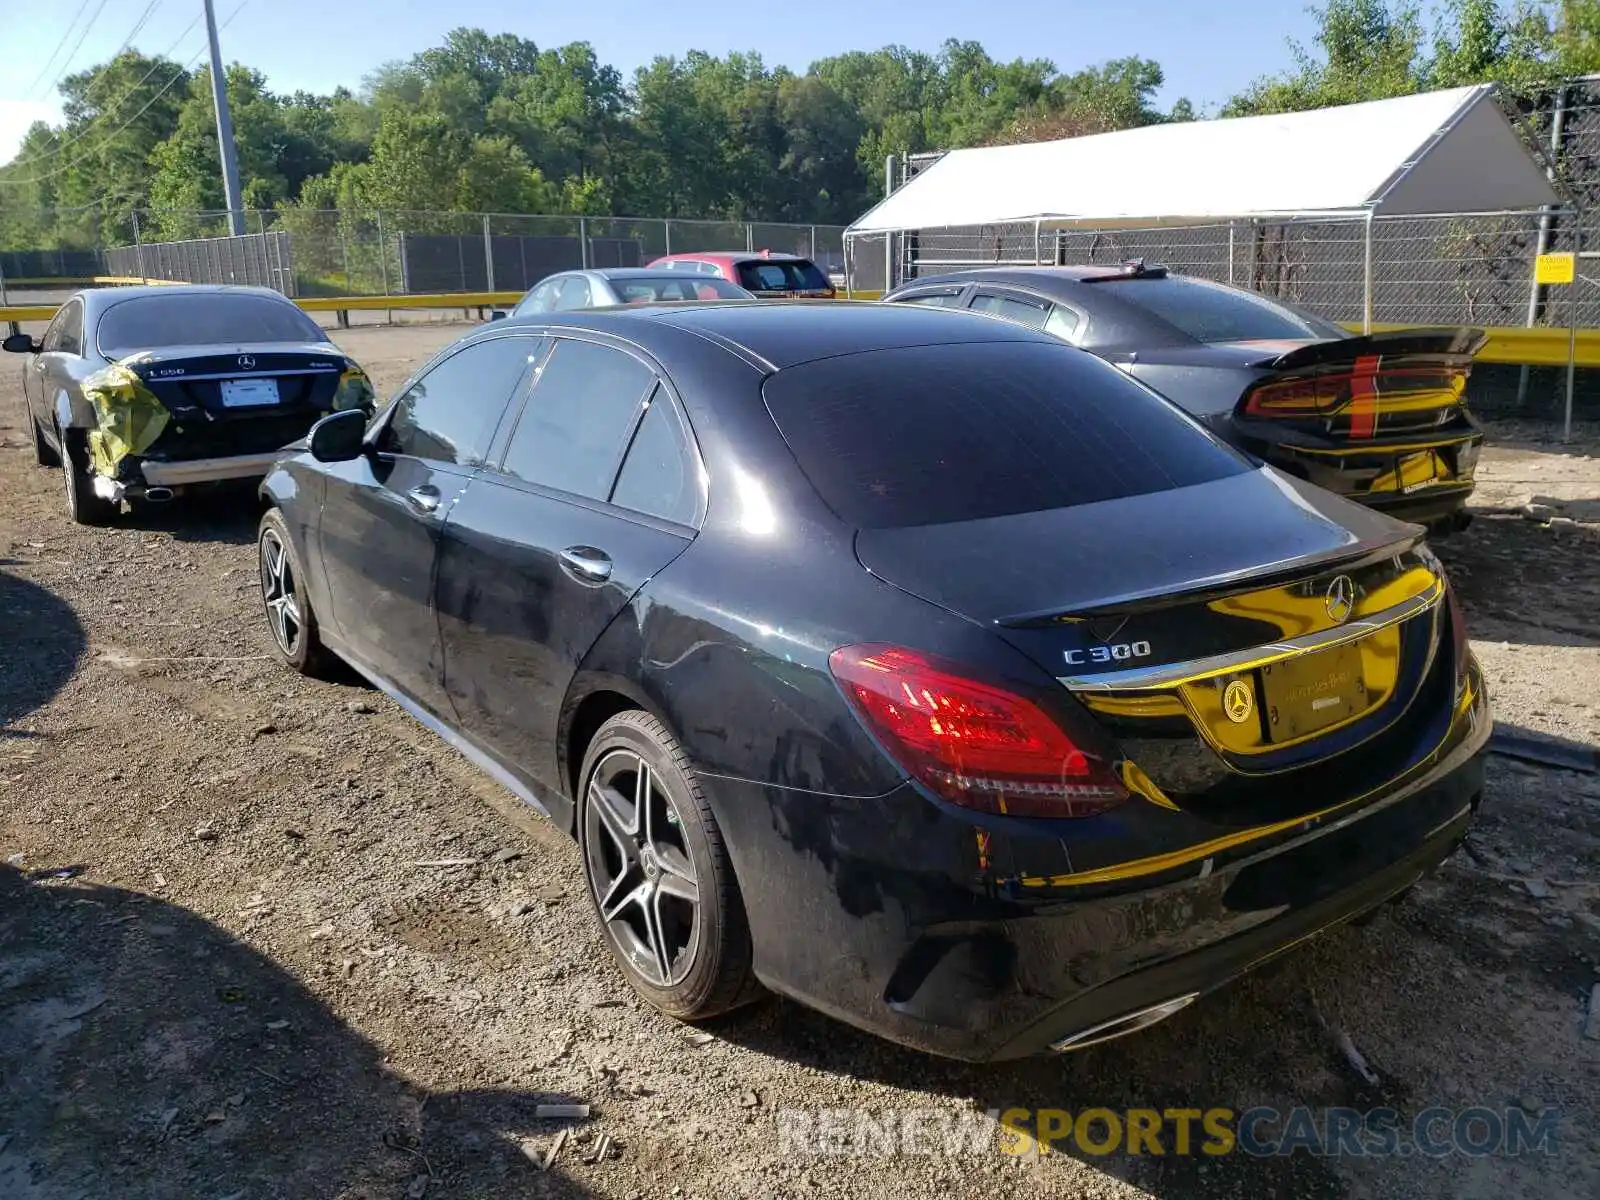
278 590
640 867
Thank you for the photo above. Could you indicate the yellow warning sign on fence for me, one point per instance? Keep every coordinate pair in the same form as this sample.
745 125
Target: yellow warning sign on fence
1555 268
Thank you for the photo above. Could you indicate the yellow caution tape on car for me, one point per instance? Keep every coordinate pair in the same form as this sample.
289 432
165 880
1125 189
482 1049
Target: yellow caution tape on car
354 391
129 418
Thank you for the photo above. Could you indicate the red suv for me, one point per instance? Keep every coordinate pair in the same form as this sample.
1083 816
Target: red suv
763 272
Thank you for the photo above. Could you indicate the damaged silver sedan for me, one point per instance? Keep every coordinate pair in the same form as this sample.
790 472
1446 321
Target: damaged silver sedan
141 393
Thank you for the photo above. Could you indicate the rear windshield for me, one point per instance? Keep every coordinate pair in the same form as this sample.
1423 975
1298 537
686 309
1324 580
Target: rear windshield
933 434
801 275
1211 313
202 319
643 291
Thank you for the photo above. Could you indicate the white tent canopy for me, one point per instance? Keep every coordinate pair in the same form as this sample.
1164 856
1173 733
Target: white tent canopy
1440 152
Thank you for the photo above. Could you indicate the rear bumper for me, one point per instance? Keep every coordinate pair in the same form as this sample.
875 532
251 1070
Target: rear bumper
900 918
1369 472
206 470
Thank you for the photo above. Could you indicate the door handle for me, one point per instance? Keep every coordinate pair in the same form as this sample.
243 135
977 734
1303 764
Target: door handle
587 563
38 367
425 497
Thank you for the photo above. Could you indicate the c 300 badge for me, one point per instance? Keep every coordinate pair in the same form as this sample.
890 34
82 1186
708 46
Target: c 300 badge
1238 702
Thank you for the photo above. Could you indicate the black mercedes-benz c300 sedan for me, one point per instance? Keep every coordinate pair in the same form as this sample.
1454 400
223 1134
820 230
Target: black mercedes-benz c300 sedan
920 667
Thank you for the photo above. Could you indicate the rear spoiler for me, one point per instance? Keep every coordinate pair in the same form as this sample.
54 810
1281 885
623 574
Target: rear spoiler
1457 346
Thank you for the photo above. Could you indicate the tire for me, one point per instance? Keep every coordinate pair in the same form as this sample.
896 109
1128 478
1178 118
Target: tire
290 621
42 454
83 506
693 961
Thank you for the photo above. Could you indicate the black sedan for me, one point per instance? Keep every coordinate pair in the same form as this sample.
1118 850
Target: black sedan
140 393
1380 419
914 665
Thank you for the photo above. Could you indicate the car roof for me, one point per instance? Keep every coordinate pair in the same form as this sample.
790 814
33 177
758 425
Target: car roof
1038 278
630 273
785 333
735 255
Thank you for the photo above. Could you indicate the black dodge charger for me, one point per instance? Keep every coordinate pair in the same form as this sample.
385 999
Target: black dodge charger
1380 419
914 665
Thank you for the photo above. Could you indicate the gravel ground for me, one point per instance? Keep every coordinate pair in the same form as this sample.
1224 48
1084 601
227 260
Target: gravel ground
227 973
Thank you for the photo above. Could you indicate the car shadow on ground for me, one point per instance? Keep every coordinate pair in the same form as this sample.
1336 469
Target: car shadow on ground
225 515
147 1053
1537 582
1170 1066
41 642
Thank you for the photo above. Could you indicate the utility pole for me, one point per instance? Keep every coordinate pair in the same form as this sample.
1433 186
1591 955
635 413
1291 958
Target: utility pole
225 146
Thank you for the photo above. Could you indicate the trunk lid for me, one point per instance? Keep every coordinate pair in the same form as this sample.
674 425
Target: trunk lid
1224 634
244 399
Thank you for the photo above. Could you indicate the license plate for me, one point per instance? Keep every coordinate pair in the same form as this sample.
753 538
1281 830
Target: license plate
249 393
1313 691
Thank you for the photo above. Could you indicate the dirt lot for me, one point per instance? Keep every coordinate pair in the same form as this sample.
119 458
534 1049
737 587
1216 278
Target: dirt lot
247 986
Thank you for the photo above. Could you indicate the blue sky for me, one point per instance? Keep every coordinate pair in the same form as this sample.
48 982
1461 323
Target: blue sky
1208 51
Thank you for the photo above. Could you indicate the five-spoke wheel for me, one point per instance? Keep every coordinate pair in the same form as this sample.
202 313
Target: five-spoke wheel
659 873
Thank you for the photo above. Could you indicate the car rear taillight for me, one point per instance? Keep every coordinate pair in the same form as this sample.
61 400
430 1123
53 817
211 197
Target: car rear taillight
1365 386
974 744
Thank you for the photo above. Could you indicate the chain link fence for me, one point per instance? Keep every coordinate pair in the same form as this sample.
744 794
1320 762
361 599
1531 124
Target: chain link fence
368 252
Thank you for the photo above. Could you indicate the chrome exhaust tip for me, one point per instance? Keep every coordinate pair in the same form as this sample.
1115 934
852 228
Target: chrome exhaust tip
1127 1023
158 495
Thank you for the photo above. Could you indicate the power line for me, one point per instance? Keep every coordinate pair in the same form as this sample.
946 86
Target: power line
66 33
64 168
127 42
105 114
78 45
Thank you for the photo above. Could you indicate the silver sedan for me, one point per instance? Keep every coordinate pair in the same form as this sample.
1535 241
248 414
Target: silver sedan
598 288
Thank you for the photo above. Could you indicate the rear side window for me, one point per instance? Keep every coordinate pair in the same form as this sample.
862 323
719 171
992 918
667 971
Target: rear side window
578 418
202 319
797 276
658 475
450 413
1210 312
936 434
644 291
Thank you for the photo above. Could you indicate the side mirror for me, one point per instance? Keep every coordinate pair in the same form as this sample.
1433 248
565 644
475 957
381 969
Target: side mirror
497 314
338 437
20 343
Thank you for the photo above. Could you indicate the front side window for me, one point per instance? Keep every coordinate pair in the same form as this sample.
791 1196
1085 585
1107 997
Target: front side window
578 417
449 414
202 319
933 299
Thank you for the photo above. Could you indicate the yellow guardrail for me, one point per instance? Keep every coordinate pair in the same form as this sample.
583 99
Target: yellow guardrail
1521 347
1539 347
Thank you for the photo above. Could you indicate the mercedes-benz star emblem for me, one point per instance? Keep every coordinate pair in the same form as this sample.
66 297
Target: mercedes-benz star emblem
1341 599
1238 702
247 362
